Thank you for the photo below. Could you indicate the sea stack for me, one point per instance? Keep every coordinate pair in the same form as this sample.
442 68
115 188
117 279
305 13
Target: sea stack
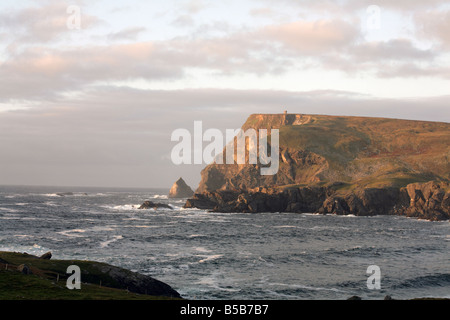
180 190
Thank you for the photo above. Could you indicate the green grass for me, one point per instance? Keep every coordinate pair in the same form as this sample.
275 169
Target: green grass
48 281
17 286
401 151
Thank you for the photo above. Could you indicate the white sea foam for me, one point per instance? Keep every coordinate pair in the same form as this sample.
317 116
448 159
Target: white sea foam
124 207
160 196
12 196
287 226
8 209
213 282
21 204
50 204
108 242
300 286
35 249
211 257
74 233
202 249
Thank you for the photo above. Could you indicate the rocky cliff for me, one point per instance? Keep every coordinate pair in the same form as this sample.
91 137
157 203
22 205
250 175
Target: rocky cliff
341 165
429 200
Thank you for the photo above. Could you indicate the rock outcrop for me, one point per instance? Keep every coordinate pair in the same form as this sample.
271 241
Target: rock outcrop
180 190
429 201
154 205
339 165
319 149
46 256
24 269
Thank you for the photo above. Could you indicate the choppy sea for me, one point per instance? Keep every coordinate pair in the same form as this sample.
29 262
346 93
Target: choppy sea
203 255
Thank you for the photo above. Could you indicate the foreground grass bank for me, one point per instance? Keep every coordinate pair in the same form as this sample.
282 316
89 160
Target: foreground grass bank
27 277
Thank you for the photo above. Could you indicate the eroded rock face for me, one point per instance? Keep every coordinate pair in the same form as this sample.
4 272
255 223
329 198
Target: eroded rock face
429 201
180 190
295 167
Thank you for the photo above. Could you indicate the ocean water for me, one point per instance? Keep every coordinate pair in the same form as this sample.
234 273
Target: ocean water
202 255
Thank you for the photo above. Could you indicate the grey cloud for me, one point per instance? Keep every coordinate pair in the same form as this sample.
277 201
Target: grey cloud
311 37
44 23
434 25
184 21
121 137
410 70
394 58
126 34
195 6
348 5
397 49
47 72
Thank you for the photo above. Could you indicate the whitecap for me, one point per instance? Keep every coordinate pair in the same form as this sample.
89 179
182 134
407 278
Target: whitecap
201 249
72 233
160 196
286 226
108 242
35 249
212 257
50 195
8 209
124 207
12 196
300 286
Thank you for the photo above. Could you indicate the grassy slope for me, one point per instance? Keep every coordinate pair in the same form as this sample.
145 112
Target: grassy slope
43 284
367 152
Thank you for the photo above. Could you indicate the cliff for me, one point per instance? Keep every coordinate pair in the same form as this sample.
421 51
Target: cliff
346 165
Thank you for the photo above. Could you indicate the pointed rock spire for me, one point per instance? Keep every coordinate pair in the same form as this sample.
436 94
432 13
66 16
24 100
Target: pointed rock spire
180 190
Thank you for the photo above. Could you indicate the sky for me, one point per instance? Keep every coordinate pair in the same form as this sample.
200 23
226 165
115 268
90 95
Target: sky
90 91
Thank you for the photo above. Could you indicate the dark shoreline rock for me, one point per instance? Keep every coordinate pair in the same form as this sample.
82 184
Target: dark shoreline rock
46 256
430 201
154 205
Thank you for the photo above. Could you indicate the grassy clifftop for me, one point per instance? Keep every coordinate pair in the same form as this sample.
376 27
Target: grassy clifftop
46 280
356 151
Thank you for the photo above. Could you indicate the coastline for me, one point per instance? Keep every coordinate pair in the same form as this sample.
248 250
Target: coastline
42 281
28 277
428 201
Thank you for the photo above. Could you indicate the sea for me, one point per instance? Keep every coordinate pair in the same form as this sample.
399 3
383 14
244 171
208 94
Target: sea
231 256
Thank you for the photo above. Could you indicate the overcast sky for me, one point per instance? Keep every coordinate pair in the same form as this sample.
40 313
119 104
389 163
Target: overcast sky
96 106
